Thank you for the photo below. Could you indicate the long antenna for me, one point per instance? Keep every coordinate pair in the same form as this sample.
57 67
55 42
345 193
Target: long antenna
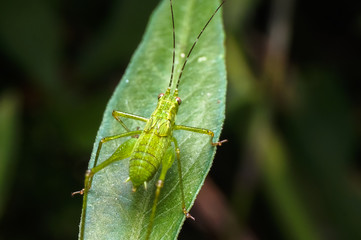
195 42
172 73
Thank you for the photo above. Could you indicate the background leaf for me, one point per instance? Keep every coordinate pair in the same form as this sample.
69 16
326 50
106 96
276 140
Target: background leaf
115 212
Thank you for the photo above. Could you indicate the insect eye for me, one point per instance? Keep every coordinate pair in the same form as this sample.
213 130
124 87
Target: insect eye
179 101
160 95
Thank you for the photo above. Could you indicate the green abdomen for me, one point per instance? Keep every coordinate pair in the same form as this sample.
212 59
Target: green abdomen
146 157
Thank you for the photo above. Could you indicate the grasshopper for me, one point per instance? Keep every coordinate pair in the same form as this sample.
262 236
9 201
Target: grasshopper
151 148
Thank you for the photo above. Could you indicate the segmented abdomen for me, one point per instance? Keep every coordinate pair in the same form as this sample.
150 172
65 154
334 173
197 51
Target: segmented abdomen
146 157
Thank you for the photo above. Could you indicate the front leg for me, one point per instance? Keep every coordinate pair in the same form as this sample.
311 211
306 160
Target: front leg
118 114
201 131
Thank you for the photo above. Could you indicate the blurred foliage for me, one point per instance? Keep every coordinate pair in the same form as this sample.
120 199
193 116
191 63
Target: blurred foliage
291 169
9 141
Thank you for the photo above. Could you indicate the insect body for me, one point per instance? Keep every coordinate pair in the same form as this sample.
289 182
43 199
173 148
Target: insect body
154 141
153 147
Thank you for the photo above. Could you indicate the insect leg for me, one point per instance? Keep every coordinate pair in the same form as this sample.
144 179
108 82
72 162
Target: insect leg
103 140
167 162
122 152
186 213
117 115
202 131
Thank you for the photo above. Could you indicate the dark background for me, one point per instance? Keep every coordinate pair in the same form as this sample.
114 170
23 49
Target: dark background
291 169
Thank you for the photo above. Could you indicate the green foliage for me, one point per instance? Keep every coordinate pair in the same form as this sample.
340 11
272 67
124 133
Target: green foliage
114 211
9 128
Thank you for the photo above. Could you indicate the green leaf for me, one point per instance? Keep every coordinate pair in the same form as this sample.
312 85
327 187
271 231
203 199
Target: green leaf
113 210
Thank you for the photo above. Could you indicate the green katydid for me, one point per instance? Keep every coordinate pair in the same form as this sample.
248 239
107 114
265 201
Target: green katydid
153 147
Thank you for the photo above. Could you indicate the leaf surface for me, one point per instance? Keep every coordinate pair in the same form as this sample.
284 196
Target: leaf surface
113 210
